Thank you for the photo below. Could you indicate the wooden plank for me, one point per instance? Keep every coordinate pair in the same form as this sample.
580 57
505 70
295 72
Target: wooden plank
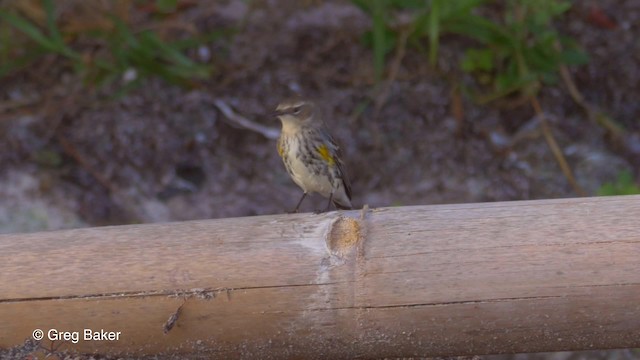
139 258
415 281
230 328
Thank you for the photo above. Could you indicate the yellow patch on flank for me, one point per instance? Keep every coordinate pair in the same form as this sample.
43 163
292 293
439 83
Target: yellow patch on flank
279 149
324 153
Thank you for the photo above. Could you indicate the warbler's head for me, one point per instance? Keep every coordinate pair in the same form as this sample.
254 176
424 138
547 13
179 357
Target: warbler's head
294 112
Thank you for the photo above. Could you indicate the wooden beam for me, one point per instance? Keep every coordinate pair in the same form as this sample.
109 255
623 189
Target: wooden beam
393 282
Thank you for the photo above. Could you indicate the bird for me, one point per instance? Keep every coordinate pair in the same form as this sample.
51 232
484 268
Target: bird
311 156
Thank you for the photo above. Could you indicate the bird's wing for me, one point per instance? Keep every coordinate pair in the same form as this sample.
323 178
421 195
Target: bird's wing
336 155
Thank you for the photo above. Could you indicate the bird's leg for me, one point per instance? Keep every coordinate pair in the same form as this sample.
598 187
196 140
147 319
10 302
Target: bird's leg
327 208
329 203
304 194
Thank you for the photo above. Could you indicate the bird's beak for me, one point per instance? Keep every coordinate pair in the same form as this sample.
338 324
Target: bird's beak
278 113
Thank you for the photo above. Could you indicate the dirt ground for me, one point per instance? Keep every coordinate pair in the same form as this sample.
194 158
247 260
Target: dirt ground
74 157
165 153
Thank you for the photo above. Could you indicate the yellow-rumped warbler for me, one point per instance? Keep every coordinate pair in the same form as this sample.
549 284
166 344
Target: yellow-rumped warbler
310 154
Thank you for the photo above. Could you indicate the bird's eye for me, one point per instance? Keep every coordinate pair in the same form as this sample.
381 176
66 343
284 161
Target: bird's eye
297 109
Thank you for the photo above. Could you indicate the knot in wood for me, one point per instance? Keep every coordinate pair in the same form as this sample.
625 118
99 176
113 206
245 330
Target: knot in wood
344 234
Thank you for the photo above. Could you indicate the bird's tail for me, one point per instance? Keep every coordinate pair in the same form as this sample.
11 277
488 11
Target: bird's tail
342 206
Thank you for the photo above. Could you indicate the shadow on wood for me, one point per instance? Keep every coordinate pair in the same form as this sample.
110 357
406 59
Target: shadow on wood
395 282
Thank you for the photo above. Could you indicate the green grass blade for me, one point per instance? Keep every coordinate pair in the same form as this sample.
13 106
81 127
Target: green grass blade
30 30
53 44
167 52
56 37
434 31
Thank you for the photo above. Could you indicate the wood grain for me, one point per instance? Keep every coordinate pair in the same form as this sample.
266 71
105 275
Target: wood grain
410 281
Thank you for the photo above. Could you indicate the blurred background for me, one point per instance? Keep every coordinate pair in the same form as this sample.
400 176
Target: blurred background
132 111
